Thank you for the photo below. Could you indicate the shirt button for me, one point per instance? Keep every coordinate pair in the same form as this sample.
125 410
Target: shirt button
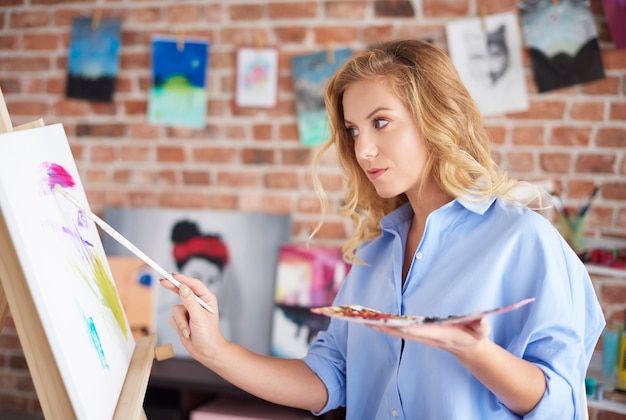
394 413
419 256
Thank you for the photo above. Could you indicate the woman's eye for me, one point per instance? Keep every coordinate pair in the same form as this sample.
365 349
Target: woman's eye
352 132
380 123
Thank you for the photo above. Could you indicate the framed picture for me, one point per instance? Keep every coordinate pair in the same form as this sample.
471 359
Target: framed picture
257 77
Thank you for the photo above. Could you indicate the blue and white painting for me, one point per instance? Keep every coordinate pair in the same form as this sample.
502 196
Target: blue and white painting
178 95
93 58
311 72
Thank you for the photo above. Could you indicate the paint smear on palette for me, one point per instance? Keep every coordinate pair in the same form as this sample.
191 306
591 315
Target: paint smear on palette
57 174
92 332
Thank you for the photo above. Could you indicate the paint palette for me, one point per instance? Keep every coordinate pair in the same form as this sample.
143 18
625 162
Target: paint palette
363 315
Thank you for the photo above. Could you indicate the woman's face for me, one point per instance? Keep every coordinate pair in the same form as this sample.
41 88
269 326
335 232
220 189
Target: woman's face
388 144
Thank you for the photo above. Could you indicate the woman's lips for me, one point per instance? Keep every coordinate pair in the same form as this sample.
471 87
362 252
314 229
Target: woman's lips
376 173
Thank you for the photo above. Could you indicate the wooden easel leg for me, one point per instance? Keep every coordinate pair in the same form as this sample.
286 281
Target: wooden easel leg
5 127
5 119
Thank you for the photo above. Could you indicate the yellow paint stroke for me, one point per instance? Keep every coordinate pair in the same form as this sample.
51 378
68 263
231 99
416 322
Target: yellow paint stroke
109 292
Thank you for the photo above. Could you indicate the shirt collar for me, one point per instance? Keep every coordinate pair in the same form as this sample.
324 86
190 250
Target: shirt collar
478 207
405 212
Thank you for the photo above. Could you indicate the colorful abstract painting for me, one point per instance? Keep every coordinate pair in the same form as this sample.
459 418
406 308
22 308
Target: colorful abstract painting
234 254
310 74
61 254
93 58
178 95
306 277
487 53
562 42
257 77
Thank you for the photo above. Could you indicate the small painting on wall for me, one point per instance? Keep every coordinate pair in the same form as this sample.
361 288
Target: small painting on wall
311 72
562 43
306 277
487 53
257 77
178 95
93 58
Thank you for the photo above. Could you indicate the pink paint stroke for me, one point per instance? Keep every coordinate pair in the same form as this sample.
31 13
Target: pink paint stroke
57 175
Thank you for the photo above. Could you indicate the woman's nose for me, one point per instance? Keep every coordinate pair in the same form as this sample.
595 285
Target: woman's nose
365 145
366 148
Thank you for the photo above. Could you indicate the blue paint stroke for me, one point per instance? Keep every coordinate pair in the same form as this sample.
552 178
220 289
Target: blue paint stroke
90 326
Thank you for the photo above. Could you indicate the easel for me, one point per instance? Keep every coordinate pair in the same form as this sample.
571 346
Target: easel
16 296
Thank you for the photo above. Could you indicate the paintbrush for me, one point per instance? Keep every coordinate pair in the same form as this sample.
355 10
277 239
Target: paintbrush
126 243
585 208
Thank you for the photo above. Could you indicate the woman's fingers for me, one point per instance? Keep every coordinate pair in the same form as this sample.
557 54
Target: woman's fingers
179 321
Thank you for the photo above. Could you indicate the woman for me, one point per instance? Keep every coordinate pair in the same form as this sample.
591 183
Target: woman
439 230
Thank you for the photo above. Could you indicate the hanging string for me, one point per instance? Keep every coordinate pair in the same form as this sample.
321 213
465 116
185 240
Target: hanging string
180 40
258 40
95 20
330 53
483 18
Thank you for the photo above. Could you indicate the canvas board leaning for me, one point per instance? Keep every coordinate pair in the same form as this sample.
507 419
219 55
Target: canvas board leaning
66 269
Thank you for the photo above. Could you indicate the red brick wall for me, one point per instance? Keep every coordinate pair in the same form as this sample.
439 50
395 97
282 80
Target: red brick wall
251 160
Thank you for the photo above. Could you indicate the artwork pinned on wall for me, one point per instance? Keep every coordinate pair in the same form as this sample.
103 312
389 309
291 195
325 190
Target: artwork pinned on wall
562 43
178 95
234 254
257 77
487 53
66 269
93 58
306 277
310 75
615 13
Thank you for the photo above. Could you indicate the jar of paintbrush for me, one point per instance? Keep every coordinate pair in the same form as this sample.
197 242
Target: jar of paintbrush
571 222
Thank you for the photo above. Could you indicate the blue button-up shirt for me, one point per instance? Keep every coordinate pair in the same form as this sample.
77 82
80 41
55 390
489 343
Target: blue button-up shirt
473 256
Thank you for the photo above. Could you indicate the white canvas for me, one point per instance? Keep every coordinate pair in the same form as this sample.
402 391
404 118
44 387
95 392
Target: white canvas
490 62
65 266
245 285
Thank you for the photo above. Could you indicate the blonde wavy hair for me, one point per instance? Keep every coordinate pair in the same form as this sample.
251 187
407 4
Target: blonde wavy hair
423 77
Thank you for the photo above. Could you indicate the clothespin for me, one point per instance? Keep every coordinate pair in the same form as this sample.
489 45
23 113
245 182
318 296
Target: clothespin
258 40
330 53
180 40
95 20
483 18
